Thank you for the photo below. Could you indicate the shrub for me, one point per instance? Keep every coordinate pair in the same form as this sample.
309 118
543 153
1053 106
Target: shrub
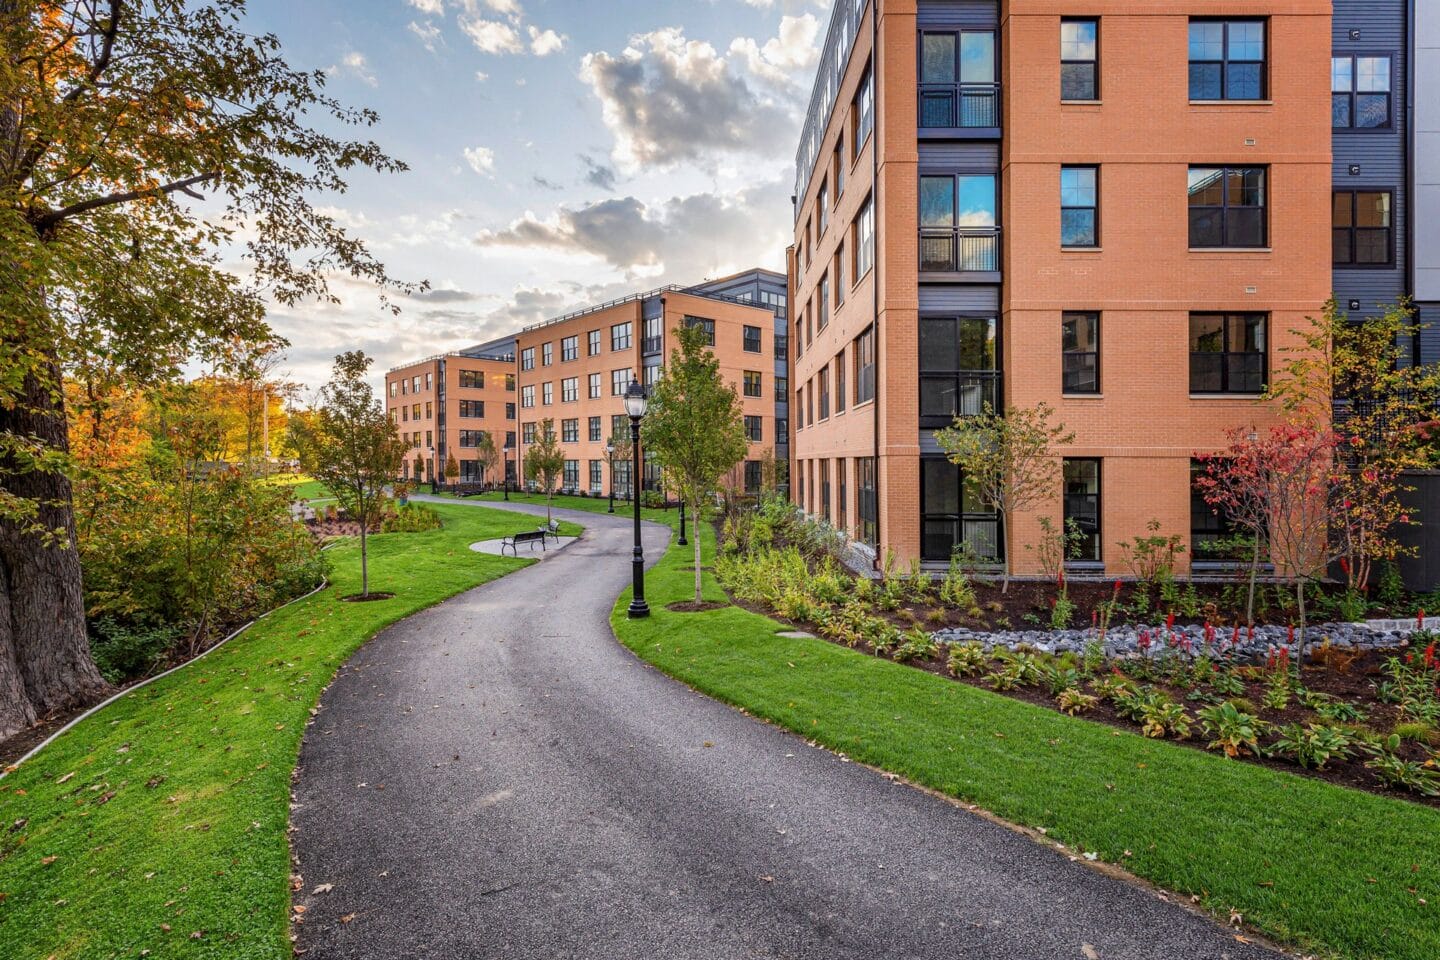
1395 771
1416 732
955 589
1072 701
123 652
1151 558
967 660
1313 745
918 645
1234 732
411 518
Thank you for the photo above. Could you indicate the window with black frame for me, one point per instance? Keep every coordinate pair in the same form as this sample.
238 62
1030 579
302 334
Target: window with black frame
570 431
952 516
620 336
1213 538
1362 233
752 339
957 79
707 328
570 348
592 340
959 368
958 223
754 429
864 359
825 489
1079 60
1227 59
1360 92
1227 207
595 431
1227 352
866 501
752 476
840 382
1080 348
840 505
1082 506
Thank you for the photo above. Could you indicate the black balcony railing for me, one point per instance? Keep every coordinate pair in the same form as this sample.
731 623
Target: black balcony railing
959 249
945 396
944 535
959 105
650 345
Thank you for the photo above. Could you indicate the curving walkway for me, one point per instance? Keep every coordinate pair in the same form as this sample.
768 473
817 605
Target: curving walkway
497 777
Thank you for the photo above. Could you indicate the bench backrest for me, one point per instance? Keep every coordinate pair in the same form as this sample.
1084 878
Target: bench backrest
529 535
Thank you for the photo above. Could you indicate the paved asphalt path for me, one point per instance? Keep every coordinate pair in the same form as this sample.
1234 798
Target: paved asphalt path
497 777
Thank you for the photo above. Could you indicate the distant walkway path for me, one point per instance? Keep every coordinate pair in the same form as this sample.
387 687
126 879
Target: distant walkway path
497 777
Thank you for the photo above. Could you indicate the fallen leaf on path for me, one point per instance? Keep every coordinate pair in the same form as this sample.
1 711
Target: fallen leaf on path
1090 952
66 777
347 918
323 888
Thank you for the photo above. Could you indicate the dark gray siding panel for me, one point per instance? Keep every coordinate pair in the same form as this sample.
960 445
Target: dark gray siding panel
960 156
1430 336
1380 154
957 13
959 298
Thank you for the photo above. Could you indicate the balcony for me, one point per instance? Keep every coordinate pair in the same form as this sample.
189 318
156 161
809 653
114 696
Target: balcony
943 397
650 346
961 250
960 106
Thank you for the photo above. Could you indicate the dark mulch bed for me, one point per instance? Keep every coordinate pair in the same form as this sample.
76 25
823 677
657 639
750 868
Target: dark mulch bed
323 530
690 606
367 597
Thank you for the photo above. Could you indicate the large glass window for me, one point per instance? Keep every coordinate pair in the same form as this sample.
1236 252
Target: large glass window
1212 537
595 430
593 343
864 241
957 223
1079 206
952 516
597 475
1362 233
619 380
752 339
957 79
1079 60
864 353
527 395
754 428
547 393
752 383
527 358
1227 352
1227 59
1082 506
570 348
570 431
570 389
1080 348
866 503
620 336
572 475
1360 88
472 409
959 368
707 328
472 378
1227 207
863 110
822 302
547 353
823 378
840 381
593 382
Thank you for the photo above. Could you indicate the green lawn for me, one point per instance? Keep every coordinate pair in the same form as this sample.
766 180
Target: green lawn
169 807
1319 866
588 504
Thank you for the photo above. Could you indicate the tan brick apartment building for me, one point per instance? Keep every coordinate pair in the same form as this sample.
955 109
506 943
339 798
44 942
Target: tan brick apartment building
442 403
574 369
1118 207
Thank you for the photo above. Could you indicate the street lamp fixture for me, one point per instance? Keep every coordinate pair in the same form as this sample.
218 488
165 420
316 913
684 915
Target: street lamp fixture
610 459
635 404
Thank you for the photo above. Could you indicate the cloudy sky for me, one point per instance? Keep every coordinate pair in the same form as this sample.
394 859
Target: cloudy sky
561 152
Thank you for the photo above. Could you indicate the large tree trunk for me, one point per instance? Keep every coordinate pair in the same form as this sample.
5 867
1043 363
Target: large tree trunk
16 711
43 604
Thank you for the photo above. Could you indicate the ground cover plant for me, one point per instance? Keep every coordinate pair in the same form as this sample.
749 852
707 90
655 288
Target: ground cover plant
1365 719
157 827
1336 871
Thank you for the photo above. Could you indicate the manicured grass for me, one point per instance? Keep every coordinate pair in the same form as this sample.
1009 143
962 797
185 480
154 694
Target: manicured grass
588 504
1316 865
311 490
169 807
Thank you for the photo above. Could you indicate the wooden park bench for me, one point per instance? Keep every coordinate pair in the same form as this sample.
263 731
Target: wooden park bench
524 536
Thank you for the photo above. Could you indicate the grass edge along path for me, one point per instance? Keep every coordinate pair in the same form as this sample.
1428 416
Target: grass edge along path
164 816
1313 865
564 501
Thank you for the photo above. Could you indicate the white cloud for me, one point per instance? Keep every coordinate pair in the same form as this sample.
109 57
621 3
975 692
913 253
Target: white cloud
481 160
511 8
545 42
481 76
354 64
434 7
780 58
492 36
428 33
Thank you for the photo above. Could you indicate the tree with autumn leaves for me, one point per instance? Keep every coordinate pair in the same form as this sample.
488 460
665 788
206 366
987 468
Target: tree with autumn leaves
138 141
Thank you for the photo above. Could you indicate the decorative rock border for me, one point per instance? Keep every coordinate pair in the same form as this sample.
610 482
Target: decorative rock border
1188 640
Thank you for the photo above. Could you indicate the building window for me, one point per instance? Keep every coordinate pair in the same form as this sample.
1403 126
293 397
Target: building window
1082 506
527 358
866 503
782 386
800 407
822 203
547 354
527 433
1080 349
959 368
1362 234
707 328
839 165
752 340
510 382
1212 537
840 382
472 409
1079 206
415 411
394 388
547 393
1227 59
752 383
593 343
799 335
782 429
570 389
509 439
840 505
752 476
864 241
570 348
509 411
1227 352
754 430
619 380
572 475
824 379
839 270
472 378
470 471
1227 207
863 110
957 223
952 516
1079 60
619 425
429 410
825 489
414 384
597 476
595 433
570 431
594 386
620 336
654 340
652 375
1360 92
864 353
429 381
470 438
957 80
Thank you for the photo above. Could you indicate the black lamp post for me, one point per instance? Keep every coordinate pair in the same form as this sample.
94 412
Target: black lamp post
683 542
507 474
635 403
610 459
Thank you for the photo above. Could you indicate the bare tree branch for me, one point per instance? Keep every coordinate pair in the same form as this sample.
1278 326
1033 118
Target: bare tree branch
49 220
